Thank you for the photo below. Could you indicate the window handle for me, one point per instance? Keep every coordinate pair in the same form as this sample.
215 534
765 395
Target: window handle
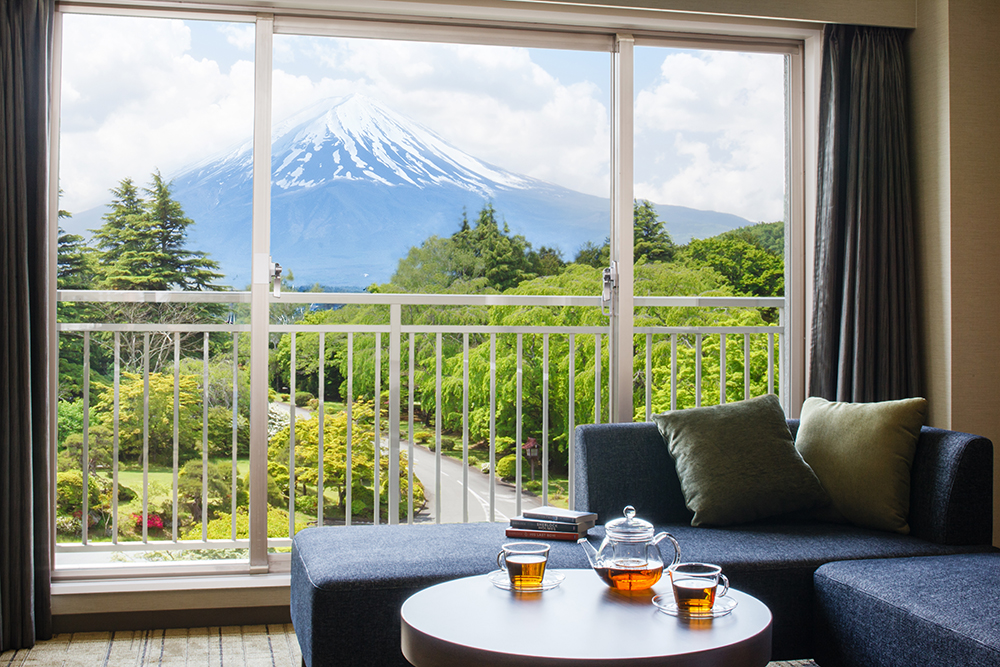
276 279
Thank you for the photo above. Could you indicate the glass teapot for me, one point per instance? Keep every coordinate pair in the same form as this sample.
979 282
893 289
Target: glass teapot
629 558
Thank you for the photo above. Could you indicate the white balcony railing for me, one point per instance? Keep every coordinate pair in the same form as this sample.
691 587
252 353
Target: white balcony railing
146 341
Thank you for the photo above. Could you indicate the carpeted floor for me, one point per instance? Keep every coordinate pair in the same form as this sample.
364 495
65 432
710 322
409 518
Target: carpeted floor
233 646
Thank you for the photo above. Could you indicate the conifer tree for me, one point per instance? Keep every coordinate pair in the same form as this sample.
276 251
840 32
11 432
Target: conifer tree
142 246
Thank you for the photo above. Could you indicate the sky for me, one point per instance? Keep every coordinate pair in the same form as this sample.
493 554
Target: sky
155 94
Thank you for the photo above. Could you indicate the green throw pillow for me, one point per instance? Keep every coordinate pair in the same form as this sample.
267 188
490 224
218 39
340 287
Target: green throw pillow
737 462
862 454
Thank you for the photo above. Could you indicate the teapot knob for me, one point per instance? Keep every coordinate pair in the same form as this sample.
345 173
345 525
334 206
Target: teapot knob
629 512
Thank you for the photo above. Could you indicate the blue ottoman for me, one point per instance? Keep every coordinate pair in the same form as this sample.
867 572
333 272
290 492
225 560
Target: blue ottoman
348 584
905 612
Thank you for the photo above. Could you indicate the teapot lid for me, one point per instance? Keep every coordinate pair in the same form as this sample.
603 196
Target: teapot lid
629 529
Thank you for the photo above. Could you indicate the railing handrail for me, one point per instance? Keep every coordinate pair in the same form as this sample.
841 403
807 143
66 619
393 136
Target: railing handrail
339 298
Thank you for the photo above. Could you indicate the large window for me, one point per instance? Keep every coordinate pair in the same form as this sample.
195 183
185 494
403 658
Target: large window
442 204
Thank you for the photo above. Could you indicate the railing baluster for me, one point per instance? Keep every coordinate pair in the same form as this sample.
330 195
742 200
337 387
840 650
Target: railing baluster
649 377
145 438
378 428
437 429
746 366
320 437
409 431
697 370
114 441
493 426
465 427
395 324
722 369
673 371
517 430
349 470
291 436
770 363
177 423
236 403
204 439
545 419
597 378
85 460
571 422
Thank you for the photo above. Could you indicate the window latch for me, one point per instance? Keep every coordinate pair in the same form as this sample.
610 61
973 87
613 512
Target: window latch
276 279
610 284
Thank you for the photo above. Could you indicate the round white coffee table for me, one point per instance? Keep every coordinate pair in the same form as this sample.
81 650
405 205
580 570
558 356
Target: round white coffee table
582 622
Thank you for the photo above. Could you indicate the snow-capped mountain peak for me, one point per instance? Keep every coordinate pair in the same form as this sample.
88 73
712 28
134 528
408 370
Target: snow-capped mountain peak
356 138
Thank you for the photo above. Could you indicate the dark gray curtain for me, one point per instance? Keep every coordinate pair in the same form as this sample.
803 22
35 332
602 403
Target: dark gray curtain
864 330
25 48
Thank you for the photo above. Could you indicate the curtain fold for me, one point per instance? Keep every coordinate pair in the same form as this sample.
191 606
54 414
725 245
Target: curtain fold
864 344
25 51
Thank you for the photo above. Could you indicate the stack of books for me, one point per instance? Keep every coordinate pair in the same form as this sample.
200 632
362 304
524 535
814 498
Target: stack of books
551 523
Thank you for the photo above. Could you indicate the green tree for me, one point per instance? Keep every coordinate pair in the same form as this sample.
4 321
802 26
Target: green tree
75 260
142 245
161 417
748 268
218 490
768 235
650 240
335 465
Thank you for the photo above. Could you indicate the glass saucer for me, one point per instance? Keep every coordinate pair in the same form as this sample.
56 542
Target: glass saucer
551 579
723 606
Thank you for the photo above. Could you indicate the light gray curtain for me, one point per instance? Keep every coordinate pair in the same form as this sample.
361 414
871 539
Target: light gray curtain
864 343
25 48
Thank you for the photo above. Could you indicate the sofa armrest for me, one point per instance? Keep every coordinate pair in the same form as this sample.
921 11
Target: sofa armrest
626 464
951 488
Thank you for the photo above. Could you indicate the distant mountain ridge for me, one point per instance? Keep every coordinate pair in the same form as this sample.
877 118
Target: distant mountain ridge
355 185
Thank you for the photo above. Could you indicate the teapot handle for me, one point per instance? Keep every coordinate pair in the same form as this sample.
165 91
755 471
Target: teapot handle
677 547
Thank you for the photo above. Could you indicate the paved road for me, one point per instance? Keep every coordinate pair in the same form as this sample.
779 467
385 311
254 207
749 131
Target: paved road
452 491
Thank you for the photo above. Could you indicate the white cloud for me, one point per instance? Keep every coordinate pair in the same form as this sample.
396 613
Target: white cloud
135 100
137 97
710 133
243 37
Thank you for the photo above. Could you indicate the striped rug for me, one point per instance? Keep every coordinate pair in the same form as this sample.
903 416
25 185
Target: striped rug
233 646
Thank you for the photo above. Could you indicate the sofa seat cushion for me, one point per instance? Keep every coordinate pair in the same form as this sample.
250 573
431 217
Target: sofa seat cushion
348 584
775 563
898 612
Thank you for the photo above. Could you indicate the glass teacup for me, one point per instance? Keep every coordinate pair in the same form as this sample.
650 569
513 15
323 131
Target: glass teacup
696 586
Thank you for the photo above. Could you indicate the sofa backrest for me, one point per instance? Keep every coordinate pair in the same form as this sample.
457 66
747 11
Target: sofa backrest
951 490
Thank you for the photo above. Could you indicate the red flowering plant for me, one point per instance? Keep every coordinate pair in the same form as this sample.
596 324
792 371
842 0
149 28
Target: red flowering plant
152 521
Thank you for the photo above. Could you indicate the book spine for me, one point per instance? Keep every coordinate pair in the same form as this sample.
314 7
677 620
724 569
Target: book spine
539 516
544 534
556 526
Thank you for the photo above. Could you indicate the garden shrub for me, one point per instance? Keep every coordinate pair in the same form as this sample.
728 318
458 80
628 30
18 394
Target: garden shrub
507 467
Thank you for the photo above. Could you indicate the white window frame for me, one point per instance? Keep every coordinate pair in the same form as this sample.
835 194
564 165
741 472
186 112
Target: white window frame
577 28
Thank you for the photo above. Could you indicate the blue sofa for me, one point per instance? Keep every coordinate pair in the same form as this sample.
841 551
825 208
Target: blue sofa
348 584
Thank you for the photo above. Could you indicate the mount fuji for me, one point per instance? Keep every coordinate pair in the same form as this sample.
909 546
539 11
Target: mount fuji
355 185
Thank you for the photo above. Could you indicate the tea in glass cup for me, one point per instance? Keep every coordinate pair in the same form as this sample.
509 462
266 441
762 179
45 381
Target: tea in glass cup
696 586
524 562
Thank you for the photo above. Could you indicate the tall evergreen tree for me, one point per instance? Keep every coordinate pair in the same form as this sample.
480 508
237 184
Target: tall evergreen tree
142 243
187 269
650 240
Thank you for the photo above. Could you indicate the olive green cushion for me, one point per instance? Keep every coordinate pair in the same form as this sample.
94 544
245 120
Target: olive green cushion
737 462
862 454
